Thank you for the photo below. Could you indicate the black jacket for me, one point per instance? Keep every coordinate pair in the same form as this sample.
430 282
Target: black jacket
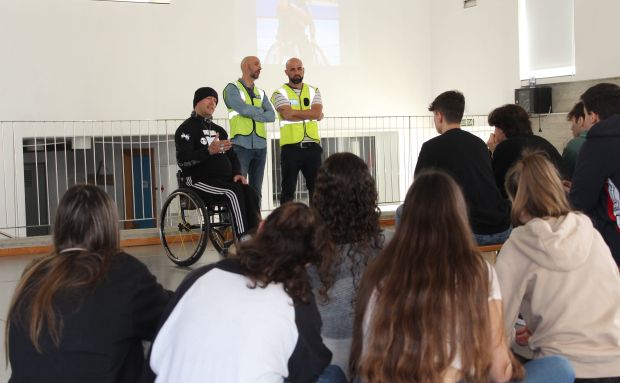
102 333
192 140
466 158
596 181
508 152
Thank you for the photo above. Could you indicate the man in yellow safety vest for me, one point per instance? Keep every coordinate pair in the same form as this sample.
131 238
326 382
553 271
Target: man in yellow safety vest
248 110
299 109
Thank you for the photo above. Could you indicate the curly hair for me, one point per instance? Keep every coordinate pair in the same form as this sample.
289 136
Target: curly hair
512 119
345 197
289 240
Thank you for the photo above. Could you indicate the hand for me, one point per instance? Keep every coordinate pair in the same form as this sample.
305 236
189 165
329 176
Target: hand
567 185
491 142
241 179
219 146
522 336
320 117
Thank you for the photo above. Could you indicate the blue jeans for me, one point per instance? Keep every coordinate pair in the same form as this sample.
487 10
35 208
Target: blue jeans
331 374
549 369
481 239
492 239
398 215
252 162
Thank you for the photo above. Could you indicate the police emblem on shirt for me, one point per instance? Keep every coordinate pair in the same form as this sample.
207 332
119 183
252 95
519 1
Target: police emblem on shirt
185 135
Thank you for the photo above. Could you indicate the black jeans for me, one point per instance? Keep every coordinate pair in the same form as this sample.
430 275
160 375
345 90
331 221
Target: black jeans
293 159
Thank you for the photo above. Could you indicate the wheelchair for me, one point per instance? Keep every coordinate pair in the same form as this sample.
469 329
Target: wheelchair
188 222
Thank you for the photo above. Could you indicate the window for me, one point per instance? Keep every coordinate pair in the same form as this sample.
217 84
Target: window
546 38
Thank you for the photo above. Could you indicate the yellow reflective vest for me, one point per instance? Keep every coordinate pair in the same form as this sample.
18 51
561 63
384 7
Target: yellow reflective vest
292 132
241 125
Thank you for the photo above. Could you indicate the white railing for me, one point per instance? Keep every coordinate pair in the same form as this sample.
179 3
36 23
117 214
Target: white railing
134 161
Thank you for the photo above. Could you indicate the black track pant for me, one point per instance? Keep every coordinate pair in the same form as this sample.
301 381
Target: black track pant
242 199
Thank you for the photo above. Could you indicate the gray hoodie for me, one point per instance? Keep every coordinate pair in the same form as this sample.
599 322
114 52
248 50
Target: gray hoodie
559 273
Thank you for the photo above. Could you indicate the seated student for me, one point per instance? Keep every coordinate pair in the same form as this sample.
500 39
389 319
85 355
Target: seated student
466 158
345 197
580 130
595 188
80 314
429 307
251 318
556 269
513 134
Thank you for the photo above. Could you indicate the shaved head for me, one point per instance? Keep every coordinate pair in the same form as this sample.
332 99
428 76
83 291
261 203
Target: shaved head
250 67
293 62
295 71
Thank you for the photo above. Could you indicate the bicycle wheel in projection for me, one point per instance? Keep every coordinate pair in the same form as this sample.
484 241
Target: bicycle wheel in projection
184 226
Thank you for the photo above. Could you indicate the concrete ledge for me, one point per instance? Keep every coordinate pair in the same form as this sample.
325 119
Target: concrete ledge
136 237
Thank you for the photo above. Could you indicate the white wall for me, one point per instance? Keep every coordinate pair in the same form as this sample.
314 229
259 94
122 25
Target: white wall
596 39
83 59
476 50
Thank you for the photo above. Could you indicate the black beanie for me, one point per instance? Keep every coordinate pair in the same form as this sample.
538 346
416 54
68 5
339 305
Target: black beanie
202 93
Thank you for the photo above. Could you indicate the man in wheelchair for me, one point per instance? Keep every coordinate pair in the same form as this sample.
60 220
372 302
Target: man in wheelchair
210 166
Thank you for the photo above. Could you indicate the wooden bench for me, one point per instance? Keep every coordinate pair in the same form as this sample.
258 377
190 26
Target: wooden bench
489 252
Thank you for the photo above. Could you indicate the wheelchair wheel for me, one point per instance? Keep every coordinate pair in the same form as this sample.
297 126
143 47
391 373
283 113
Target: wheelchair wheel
184 224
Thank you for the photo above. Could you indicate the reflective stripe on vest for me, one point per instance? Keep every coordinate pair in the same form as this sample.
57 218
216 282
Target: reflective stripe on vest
244 126
292 132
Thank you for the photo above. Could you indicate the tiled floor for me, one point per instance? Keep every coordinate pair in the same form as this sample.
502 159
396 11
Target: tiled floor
168 274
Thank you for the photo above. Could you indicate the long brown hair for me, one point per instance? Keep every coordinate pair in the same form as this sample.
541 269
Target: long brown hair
289 239
345 197
86 236
432 288
535 189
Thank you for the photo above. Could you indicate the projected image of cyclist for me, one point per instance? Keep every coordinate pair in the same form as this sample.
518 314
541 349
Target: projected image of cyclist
299 28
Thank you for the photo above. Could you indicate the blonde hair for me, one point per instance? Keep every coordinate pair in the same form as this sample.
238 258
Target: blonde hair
533 185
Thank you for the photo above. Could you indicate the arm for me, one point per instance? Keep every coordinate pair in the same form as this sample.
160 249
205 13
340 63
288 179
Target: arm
234 160
310 356
149 301
269 115
423 159
588 178
232 99
228 150
503 158
314 113
185 140
504 366
513 282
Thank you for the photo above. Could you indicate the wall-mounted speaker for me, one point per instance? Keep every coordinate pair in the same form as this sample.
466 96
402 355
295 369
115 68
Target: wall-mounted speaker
534 100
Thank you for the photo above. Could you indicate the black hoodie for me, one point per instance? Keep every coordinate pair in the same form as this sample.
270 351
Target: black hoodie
596 182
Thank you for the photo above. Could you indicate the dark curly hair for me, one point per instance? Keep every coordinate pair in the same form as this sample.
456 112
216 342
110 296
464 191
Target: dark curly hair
345 197
288 240
512 119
